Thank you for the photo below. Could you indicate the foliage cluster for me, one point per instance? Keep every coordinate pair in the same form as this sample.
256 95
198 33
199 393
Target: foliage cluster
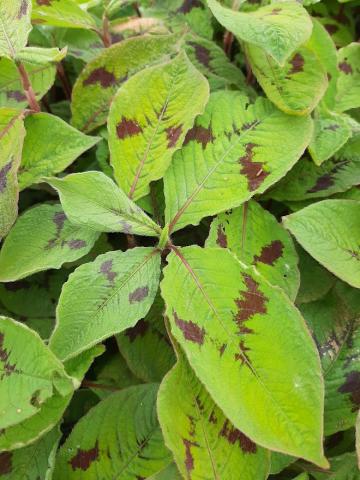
180 239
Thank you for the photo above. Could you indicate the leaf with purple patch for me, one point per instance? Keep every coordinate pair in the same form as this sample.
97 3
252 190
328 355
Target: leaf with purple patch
149 119
12 134
15 26
98 83
66 13
102 298
118 438
348 82
235 150
204 443
256 238
42 238
92 200
232 336
30 373
336 226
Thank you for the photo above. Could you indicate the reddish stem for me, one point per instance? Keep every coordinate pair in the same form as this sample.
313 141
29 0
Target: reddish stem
64 80
100 386
28 90
106 36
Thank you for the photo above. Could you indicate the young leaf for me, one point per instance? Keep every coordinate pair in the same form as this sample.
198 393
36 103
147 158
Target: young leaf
42 238
256 238
119 438
63 13
234 151
41 56
33 462
331 132
98 83
343 467
11 90
50 146
11 141
204 443
149 119
15 26
93 200
279 29
51 411
336 226
348 83
295 88
89 306
146 347
337 335
232 336
26 384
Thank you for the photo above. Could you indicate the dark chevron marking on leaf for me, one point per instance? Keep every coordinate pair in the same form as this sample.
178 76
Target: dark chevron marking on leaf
222 349
139 294
346 68
127 128
102 76
352 386
19 285
331 28
327 180
202 54
248 125
252 170
45 3
76 244
212 418
105 268
84 458
5 463
270 253
59 220
189 459
221 238
8 369
16 95
242 356
35 400
297 63
23 9
3 172
199 403
200 135
188 5
191 331
252 302
192 425
234 435
138 331
173 134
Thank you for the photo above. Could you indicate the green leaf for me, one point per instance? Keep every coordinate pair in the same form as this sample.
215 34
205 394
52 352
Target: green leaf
50 146
170 472
337 334
63 13
331 132
11 90
343 467
348 83
279 461
234 151
308 181
146 347
335 224
204 443
98 83
15 26
357 439
295 88
51 411
148 120
93 200
33 462
11 142
42 238
256 238
89 306
302 476
26 384
232 336
41 56
119 438
279 29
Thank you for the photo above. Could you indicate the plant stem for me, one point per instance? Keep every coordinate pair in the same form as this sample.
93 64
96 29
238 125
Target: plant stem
64 80
106 37
28 90
137 9
100 386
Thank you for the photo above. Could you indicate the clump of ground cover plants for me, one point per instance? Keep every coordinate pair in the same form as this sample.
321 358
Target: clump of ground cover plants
180 240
